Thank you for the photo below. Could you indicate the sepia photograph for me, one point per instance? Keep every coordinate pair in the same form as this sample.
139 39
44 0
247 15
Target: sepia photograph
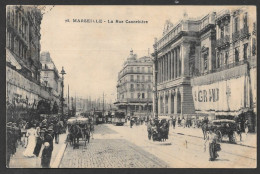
131 86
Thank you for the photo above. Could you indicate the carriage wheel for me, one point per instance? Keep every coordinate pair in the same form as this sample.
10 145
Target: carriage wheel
219 134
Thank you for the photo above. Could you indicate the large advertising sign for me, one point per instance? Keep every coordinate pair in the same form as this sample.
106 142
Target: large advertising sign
227 95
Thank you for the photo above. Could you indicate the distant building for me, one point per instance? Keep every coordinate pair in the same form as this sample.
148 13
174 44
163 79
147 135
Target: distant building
49 73
134 86
207 66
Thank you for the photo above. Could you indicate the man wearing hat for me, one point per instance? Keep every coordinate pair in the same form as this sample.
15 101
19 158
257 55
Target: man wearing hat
48 148
16 134
9 142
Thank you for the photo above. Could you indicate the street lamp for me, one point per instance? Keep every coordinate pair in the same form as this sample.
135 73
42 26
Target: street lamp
155 55
62 88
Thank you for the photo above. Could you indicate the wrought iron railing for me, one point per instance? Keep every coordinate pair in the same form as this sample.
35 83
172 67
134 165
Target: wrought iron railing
223 41
235 36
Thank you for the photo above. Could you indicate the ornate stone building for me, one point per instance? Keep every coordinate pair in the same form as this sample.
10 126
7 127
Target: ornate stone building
207 66
24 92
134 86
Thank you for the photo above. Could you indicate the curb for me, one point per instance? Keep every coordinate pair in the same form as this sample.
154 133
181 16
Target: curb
59 156
202 138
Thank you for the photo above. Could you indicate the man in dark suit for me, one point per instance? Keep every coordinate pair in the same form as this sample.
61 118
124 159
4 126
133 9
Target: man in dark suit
9 143
48 148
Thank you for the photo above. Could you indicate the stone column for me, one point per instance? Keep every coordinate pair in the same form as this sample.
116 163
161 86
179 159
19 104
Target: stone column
164 98
177 63
170 103
159 68
185 50
175 101
159 102
162 69
169 66
173 64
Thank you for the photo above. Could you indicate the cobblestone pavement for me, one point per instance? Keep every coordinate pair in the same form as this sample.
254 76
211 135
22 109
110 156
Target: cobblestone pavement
189 152
122 146
109 150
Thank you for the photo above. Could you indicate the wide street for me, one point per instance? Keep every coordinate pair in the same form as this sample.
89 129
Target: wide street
125 147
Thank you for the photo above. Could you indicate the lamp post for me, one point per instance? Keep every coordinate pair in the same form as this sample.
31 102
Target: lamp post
62 88
155 55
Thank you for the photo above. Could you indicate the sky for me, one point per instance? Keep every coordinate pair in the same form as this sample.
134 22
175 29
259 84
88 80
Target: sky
92 54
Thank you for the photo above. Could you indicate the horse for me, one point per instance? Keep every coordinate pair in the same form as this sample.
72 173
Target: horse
85 133
75 133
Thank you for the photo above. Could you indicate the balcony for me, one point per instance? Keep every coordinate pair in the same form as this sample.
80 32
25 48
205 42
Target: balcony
235 36
222 15
223 42
244 32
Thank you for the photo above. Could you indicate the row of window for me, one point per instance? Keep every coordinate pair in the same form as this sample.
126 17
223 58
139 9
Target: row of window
138 78
138 69
223 57
224 29
140 85
138 95
18 22
16 46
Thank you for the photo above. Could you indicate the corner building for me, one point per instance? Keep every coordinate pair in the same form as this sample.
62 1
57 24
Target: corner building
207 66
134 86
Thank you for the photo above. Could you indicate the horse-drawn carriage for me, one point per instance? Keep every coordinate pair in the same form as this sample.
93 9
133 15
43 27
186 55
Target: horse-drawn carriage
78 128
225 128
159 130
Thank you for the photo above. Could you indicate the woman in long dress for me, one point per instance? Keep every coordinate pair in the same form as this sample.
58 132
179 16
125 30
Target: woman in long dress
31 134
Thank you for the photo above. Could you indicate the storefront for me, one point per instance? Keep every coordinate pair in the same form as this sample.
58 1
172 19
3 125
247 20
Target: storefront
225 94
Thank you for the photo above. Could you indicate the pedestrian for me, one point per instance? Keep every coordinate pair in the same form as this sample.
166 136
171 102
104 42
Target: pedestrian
39 141
239 130
47 150
56 132
23 132
183 122
16 135
31 134
12 138
212 144
246 126
9 142
149 130
173 122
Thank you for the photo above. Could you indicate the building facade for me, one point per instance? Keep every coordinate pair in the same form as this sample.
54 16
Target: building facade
49 74
207 66
134 86
24 92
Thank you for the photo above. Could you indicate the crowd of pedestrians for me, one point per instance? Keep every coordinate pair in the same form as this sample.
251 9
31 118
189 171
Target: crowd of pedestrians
36 137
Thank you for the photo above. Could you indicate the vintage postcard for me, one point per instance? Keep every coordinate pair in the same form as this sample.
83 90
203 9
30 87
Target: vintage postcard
131 86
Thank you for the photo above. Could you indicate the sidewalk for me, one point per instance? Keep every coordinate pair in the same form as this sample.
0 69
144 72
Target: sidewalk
19 161
247 140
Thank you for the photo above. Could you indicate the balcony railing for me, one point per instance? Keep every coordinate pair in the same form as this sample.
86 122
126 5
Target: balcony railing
223 67
223 41
244 32
235 36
